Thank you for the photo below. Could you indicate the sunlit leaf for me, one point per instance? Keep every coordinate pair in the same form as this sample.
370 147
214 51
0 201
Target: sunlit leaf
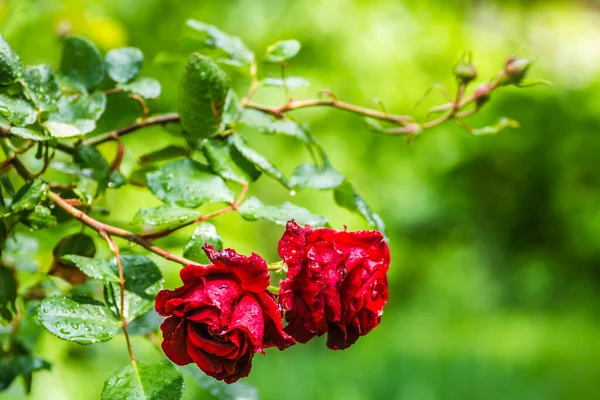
42 87
164 217
188 183
79 319
18 111
281 51
266 123
122 65
61 130
29 134
148 88
253 209
313 176
156 381
92 267
81 112
202 93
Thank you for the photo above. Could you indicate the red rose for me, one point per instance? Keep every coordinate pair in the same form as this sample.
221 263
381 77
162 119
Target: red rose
222 315
336 283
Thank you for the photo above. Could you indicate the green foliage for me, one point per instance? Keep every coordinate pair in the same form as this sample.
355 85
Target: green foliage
203 90
282 51
188 183
11 67
164 217
122 65
221 390
92 267
144 381
8 295
204 233
21 365
81 67
81 320
253 209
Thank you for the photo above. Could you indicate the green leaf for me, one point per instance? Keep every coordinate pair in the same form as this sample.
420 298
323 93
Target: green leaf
8 295
79 319
143 381
232 111
92 267
29 134
21 365
20 252
260 162
147 323
148 88
41 217
76 243
42 87
82 112
81 64
90 157
187 183
61 130
143 281
29 196
164 154
346 196
281 51
200 36
122 65
204 233
11 67
221 390
266 123
17 111
310 175
227 161
164 217
502 124
202 93
290 82
253 209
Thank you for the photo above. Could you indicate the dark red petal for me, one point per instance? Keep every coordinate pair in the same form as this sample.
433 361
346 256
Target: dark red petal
200 337
291 247
209 363
340 337
248 317
252 271
274 335
208 315
174 343
243 367
192 273
223 291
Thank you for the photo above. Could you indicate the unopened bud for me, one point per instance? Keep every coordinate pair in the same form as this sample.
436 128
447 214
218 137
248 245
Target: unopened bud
482 94
464 72
514 71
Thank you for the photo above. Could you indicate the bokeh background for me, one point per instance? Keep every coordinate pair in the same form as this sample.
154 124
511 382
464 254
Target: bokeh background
495 257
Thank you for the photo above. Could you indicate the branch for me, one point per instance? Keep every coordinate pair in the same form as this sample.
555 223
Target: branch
203 218
112 135
115 249
112 230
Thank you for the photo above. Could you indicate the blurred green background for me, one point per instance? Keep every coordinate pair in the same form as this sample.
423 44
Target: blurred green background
495 261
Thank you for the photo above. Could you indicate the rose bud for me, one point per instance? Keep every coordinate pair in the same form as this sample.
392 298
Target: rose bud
515 70
336 283
464 72
222 315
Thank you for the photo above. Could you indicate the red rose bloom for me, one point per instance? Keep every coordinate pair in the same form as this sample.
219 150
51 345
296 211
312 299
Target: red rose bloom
336 283
222 315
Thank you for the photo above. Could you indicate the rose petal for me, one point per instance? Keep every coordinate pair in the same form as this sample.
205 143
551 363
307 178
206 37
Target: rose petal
248 317
174 343
274 335
252 271
200 337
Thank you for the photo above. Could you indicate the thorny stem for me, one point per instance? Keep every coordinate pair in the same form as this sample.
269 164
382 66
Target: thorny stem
115 249
112 230
232 207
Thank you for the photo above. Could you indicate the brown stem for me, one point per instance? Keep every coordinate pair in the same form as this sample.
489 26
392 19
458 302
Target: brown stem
115 249
113 230
278 111
203 218
157 120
